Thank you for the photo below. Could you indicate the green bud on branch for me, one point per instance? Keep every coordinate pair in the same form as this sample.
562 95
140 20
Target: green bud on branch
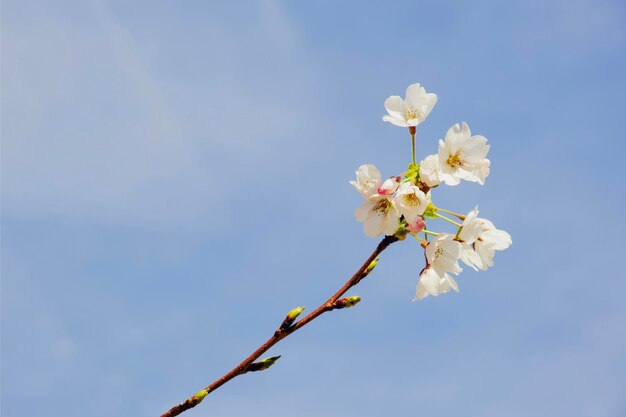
200 395
195 399
291 317
371 266
346 302
369 269
263 364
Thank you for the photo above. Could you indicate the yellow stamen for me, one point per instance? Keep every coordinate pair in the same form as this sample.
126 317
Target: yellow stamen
382 207
411 200
455 160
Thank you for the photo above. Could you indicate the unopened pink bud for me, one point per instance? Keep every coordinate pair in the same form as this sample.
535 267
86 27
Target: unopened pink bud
416 226
389 186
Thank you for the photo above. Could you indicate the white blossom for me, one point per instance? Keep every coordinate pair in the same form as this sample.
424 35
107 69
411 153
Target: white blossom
368 180
410 201
429 171
471 228
480 241
490 241
433 283
379 215
443 253
460 156
411 111
463 156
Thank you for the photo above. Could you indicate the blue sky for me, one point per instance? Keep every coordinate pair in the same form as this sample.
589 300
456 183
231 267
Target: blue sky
175 179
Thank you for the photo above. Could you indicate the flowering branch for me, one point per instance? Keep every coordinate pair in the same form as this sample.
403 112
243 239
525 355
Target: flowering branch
335 302
397 207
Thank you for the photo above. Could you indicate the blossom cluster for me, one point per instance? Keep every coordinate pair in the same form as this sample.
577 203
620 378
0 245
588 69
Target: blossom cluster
401 205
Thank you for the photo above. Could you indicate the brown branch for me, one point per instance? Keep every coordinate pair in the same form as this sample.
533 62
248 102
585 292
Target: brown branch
281 333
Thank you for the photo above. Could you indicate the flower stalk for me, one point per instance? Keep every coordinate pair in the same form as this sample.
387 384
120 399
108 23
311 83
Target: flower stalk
442 217
412 131
457 215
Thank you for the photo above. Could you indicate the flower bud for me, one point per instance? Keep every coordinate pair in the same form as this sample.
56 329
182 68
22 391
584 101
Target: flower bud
389 186
291 317
263 364
371 266
199 396
416 227
346 302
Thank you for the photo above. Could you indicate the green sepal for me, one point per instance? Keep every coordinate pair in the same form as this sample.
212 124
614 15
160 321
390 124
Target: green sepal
430 211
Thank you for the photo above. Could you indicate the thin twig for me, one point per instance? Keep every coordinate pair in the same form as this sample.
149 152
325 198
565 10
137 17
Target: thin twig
281 333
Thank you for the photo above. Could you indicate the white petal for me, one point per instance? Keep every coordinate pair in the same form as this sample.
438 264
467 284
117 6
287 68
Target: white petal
395 106
472 227
453 284
429 171
455 138
465 129
373 225
486 255
475 149
413 94
428 102
446 283
390 222
470 257
497 239
420 292
430 280
483 172
449 179
398 121
361 213
368 171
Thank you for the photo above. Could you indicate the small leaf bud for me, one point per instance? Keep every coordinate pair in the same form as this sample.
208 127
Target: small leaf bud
263 364
371 266
346 302
199 396
291 317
